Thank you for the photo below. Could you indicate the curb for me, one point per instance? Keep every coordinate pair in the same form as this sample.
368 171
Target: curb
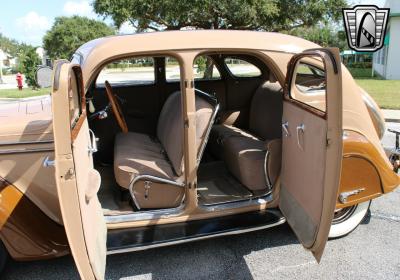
392 120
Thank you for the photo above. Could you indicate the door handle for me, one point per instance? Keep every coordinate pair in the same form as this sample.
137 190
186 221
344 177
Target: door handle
47 162
300 128
93 142
285 127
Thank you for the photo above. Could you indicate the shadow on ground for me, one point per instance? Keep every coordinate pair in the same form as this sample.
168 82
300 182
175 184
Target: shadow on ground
218 258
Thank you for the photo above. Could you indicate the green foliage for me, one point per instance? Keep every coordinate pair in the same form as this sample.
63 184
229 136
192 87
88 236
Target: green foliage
324 35
268 15
69 33
29 61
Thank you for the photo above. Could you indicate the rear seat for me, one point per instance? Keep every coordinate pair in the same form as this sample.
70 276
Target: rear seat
245 151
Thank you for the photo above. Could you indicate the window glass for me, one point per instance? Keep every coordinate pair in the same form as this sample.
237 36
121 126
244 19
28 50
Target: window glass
205 69
242 68
172 70
309 85
135 71
74 95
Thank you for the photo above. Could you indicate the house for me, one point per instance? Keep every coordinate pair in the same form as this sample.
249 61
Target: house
386 61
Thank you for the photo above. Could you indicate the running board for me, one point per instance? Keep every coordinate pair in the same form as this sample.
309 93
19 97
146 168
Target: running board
142 238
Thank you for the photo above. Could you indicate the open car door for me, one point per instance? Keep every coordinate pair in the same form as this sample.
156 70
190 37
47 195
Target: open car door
77 180
311 145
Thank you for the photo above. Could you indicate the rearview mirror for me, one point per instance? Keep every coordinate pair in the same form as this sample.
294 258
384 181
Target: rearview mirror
43 76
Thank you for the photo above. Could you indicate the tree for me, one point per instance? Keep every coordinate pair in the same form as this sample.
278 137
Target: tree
69 33
324 35
268 15
29 61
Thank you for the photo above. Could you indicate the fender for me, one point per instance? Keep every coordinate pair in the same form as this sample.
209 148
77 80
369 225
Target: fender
365 174
27 233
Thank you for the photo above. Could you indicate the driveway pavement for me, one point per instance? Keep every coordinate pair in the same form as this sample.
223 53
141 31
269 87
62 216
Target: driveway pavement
370 252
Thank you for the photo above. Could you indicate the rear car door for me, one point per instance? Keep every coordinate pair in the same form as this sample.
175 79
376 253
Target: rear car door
77 180
312 146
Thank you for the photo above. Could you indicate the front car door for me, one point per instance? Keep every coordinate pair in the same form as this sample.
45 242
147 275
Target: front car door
312 146
77 180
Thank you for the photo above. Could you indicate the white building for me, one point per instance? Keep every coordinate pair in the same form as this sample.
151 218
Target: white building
386 61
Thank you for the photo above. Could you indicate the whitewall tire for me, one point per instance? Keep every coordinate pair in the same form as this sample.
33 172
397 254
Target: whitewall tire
347 219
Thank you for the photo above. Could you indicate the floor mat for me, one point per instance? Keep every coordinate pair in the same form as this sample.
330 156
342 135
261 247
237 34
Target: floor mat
217 185
109 194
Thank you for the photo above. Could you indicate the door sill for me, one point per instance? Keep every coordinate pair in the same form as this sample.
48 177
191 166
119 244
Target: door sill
142 238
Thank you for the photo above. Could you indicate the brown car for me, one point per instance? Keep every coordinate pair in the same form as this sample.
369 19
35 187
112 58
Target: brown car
162 138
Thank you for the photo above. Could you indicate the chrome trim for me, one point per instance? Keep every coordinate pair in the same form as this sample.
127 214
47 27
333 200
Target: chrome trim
151 178
26 142
21 151
282 220
145 215
285 127
344 195
266 173
48 163
252 201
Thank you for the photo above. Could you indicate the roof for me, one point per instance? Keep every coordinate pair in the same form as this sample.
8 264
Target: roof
99 50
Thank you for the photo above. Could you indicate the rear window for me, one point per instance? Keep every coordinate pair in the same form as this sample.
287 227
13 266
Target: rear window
135 71
241 68
204 69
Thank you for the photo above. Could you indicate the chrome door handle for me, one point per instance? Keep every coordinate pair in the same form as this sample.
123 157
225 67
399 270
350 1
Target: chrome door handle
47 162
285 127
93 142
300 128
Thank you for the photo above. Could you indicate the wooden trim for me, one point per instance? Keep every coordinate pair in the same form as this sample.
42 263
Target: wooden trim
75 130
77 71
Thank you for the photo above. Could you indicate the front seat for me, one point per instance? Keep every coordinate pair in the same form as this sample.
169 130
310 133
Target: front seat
152 167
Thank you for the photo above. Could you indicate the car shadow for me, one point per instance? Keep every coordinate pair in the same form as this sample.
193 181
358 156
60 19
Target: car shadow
217 258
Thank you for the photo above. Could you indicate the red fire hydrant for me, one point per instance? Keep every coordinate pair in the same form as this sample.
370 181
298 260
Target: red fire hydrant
19 80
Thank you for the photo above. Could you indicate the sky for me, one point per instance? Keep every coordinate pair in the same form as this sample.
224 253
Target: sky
28 20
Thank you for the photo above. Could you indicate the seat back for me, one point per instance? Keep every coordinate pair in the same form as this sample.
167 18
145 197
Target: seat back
170 127
266 111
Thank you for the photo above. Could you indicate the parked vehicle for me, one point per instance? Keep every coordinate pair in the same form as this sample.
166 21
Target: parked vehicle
222 132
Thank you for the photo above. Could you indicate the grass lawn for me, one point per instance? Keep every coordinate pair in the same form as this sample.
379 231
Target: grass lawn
385 92
25 92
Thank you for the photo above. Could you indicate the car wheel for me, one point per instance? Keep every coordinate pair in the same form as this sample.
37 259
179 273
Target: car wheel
3 257
347 219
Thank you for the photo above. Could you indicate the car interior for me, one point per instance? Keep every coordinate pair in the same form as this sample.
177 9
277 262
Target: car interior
238 131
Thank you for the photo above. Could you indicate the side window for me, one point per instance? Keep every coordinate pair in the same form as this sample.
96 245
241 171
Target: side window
135 71
241 68
309 84
172 70
75 97
204 69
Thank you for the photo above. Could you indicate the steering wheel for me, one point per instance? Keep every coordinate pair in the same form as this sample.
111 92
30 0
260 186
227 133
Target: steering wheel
116 108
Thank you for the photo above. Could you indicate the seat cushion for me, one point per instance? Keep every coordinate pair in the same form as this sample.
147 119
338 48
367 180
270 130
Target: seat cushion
218 135
244 157
266 111
138 154
170 127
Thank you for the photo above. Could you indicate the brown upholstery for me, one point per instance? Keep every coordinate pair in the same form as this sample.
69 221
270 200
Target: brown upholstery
244 151
139 154
136 154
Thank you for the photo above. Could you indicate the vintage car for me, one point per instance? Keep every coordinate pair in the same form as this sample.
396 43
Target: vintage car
162 138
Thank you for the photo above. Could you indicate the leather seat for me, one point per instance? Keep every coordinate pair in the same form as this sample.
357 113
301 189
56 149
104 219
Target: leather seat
137 154
244 152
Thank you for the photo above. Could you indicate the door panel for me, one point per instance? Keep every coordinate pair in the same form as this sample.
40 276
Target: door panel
77 180
312 149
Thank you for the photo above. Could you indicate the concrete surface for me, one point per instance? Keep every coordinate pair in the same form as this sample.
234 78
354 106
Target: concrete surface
369 252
